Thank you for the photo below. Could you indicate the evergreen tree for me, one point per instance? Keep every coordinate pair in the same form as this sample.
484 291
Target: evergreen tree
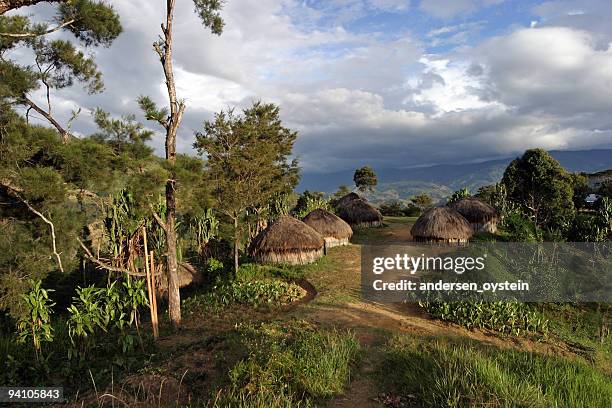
248 160
57 64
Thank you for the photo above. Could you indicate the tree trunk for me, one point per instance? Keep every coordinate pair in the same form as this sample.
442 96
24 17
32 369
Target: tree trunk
177 108
174 296
236 245
6 5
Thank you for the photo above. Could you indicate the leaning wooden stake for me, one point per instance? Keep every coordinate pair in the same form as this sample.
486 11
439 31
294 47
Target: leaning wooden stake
149 288
154 295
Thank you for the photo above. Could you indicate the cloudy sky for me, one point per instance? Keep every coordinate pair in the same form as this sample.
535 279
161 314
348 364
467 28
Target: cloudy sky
390 83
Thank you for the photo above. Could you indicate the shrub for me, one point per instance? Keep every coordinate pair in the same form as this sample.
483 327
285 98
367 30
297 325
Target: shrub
35 324
255 293
521 229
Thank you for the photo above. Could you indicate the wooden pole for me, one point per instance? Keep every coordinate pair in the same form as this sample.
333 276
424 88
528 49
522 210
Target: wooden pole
154 295
149 289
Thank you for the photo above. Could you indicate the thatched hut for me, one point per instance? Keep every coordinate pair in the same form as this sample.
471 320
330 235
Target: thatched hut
480 215
287 240
441 224
360 214
345 199
334 230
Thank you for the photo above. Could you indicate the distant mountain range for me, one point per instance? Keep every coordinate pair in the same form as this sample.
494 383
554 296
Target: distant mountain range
441 180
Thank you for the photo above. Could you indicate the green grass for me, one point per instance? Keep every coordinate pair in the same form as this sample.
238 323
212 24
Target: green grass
288 365
443 372
253 271
583 327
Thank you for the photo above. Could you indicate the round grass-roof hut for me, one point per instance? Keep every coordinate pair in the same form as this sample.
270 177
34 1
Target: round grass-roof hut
345 199
441 224
480 215
360 214
334 230
287 240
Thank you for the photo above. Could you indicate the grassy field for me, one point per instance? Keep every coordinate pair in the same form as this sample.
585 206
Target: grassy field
244 346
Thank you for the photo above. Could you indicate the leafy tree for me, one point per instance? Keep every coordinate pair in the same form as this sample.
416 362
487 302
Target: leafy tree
422 201
542 189
365 179
170 119
57 64
248 161
458 195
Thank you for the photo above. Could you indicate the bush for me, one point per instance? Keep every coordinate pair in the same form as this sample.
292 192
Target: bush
391 208
521 229
504 317
255 293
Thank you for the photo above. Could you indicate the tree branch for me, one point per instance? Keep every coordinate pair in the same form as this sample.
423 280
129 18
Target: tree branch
31 35
63 132
103 265
47 221
158 219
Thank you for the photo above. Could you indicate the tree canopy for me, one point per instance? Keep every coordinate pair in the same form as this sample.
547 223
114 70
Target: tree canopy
542 188
365 179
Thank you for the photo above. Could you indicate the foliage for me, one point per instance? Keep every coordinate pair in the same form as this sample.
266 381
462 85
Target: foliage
497 196
35 325
365 179
247 161
308 202
593 227
57 63
422 201
440 372
521 229
458 195
289 366
341 192
95 310
203 228
392 208
505 317
254 293
542 189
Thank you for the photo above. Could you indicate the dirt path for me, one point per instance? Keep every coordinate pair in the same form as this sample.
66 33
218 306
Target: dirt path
339 305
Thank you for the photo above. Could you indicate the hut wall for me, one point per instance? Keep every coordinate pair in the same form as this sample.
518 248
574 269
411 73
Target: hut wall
372 224
429 240
331 242
293 258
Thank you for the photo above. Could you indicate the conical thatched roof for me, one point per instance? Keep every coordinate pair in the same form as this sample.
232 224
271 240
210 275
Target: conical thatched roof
344 200
328 224
475 211
359 212
286 235
441 224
